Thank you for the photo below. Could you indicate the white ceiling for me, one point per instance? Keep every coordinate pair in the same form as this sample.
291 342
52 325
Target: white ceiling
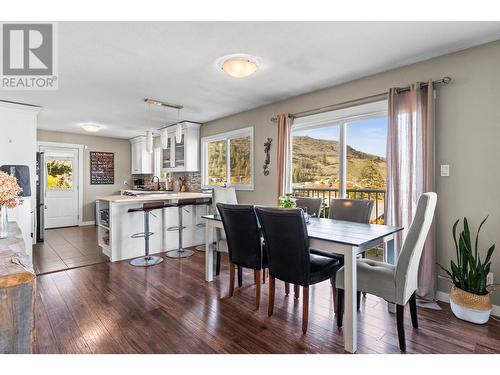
107 68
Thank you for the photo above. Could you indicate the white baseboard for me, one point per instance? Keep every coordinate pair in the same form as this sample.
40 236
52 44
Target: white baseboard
85 223
445 297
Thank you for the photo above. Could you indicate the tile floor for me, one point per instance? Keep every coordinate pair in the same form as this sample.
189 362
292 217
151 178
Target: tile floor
66 248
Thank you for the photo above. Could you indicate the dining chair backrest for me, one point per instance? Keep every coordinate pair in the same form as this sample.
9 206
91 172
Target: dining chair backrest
242 234
312 205
411 252
287 243
356 210
222 194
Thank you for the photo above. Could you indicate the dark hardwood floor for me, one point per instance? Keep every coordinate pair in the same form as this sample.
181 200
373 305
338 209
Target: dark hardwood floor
169 308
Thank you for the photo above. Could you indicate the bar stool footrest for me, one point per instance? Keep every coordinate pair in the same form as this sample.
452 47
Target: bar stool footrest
141 235
175 229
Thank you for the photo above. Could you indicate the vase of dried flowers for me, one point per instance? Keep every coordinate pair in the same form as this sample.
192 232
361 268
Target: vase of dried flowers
9 198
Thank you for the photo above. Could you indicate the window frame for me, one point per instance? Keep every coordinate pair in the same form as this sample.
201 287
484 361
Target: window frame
341 118
227 137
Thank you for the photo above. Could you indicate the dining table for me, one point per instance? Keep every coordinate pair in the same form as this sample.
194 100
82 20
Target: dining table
346 238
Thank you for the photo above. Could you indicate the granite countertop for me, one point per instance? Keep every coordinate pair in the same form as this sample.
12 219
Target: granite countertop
153 197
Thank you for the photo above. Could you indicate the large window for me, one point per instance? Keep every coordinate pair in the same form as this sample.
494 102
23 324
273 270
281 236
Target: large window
342 154
227 159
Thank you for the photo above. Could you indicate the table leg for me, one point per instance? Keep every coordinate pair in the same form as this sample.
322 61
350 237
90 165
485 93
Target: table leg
350 311
390 257
209 255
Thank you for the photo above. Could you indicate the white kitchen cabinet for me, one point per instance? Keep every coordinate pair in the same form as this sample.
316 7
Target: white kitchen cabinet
183 156
142 160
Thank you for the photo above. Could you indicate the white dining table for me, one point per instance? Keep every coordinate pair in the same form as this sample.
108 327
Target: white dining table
334 236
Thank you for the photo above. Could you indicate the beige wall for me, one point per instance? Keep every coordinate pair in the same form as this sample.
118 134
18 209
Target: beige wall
121 149
468 137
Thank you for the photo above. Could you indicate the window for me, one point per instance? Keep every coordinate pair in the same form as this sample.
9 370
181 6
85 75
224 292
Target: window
342 154
227 159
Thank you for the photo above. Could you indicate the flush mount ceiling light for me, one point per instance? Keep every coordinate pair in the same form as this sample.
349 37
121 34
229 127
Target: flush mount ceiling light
238 65
91 127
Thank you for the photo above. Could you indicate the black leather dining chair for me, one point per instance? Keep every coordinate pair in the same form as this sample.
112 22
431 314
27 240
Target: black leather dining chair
287 245
243 243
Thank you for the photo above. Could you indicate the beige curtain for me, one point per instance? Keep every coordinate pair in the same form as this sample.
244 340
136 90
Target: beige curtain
410 169
284 158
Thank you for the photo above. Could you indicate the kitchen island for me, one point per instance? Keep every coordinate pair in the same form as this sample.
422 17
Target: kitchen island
116 225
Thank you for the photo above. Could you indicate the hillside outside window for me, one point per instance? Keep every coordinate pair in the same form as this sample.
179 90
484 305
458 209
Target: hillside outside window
227 159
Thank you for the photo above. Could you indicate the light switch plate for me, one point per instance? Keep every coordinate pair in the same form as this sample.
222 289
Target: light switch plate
445 170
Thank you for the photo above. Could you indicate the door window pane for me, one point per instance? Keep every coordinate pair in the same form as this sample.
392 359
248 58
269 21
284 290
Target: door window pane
59 174
239 159
315 158
216 157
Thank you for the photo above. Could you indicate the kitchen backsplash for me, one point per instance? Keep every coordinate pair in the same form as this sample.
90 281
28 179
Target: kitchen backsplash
193 181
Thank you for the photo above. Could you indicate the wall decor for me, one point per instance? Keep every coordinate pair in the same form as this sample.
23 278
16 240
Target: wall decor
102 168
267 149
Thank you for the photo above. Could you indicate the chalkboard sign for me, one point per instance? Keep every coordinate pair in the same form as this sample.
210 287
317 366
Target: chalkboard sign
102 168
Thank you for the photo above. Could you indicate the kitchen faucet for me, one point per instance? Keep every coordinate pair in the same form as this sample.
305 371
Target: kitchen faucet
157 183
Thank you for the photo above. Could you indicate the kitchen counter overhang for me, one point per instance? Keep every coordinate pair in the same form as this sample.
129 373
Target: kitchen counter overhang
167 196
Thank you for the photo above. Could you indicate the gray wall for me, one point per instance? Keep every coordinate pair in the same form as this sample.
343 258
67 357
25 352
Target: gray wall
121 149
467 138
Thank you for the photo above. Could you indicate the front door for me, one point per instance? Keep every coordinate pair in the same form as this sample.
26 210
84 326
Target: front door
61 172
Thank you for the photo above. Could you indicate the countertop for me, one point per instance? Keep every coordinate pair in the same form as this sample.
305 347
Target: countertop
15 267
153 197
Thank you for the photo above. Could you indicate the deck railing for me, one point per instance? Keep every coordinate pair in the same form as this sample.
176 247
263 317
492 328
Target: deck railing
327 194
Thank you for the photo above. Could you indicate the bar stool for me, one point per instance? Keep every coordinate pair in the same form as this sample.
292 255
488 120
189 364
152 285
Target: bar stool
181 203
146 260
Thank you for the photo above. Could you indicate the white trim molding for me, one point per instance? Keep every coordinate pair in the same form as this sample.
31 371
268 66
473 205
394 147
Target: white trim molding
80 170
445 297
86 223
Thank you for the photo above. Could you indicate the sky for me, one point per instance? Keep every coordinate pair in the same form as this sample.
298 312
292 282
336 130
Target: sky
368 136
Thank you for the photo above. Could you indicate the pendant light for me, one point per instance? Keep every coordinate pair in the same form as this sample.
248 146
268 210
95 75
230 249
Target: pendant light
149 141
178 129
164 138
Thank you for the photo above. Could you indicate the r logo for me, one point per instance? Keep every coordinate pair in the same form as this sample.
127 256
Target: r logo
27 49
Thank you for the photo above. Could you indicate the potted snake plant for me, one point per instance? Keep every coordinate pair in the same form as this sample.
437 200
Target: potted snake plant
470 296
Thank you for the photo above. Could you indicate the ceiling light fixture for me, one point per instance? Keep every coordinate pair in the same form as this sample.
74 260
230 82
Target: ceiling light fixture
91 127
162 104
238 65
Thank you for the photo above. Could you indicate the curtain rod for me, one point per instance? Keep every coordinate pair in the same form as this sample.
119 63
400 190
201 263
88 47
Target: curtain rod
365 100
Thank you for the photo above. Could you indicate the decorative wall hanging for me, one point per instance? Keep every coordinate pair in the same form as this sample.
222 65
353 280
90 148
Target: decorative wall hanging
102 168
267 149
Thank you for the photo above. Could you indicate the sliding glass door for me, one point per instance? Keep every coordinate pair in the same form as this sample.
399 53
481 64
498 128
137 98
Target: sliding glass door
342 154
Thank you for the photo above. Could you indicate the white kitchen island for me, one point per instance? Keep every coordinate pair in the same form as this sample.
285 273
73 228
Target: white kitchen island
114 234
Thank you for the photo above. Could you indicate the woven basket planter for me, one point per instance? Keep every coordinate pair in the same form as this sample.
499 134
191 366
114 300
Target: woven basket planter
470 307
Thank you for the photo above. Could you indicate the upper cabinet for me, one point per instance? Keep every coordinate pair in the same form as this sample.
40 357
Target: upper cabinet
181 155
142 161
